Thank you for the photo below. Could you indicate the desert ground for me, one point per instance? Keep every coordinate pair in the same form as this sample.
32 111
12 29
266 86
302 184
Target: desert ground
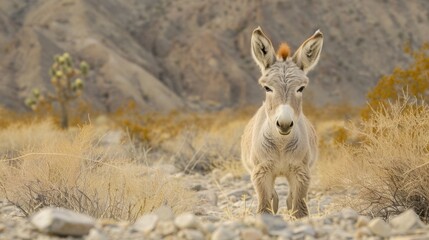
181 178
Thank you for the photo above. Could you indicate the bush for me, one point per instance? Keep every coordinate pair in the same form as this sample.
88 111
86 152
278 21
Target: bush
413 80
67 83
78 172
389 169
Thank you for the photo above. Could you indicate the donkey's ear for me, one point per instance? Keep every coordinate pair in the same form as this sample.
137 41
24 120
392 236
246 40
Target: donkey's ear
262 49
307 55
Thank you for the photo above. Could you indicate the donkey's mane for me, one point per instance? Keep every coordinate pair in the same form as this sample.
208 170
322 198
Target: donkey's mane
284 51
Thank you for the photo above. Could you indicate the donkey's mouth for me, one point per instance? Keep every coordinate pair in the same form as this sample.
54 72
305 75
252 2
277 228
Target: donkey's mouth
284 132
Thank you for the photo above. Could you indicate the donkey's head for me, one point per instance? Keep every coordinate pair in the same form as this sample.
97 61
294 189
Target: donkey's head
283 77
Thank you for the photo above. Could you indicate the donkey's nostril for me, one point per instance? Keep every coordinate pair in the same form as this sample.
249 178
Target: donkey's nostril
277 123
291 124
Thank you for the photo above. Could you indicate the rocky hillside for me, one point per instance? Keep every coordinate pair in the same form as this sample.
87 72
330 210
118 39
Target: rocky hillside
171 54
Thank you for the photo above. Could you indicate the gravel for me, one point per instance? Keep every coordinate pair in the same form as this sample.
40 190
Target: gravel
223 221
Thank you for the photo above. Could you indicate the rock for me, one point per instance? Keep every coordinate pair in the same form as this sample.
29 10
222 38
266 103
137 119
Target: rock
405 222
362 221
95 234
251 234
210 196
349 213
112 138
167 168
186 220
379 227
164 213
146 223
208 227
62 222
226 178
240 193
2 228
270 223
198 187
23 234
285 233
363 233
166 228
305 229
411 237
191 234
223 233
340 234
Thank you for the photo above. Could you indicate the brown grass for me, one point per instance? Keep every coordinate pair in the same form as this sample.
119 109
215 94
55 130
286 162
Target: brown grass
44 166
388 170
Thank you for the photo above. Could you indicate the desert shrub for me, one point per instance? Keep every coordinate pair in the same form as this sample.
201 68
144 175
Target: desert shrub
192 141
414 80
388 171
66 79
76 170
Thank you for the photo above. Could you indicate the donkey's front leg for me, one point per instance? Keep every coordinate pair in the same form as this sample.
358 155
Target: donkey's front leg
263 181
299 181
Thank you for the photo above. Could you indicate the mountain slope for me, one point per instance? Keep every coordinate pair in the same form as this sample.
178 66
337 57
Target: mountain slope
196 54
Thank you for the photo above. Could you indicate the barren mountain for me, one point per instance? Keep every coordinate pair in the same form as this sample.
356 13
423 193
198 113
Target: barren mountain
169 54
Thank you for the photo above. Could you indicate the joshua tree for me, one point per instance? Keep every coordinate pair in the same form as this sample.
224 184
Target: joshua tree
68 85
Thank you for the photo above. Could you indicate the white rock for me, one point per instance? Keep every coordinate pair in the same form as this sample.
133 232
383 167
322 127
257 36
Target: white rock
405 222
349 213
223 233
379 227
95 234
166 228
362 221
363 233
164 213
146 223
62 222
411 237
191 234
167 168
251 234
208 227
186 220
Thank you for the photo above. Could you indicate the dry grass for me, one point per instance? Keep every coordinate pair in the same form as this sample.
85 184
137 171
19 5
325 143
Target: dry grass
44 166
388 170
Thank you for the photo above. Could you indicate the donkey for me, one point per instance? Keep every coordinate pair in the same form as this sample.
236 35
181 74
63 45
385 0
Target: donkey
279 140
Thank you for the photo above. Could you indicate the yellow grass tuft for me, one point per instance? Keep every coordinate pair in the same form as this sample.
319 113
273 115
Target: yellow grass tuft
73 169
388 170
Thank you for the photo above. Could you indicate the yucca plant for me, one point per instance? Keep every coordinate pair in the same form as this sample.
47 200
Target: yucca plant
68 84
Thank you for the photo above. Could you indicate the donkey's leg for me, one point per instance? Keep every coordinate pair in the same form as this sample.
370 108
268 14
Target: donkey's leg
275 202
263 181
299 181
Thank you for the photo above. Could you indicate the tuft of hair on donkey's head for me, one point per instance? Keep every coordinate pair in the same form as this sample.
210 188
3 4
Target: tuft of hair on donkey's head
284 77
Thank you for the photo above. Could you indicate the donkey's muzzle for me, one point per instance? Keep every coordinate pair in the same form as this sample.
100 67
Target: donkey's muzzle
284 128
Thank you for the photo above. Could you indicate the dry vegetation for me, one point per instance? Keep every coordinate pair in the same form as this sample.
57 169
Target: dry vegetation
382 160
387 170
44 166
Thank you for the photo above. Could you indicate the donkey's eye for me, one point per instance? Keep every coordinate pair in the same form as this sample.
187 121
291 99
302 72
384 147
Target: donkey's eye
267 89
301 89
